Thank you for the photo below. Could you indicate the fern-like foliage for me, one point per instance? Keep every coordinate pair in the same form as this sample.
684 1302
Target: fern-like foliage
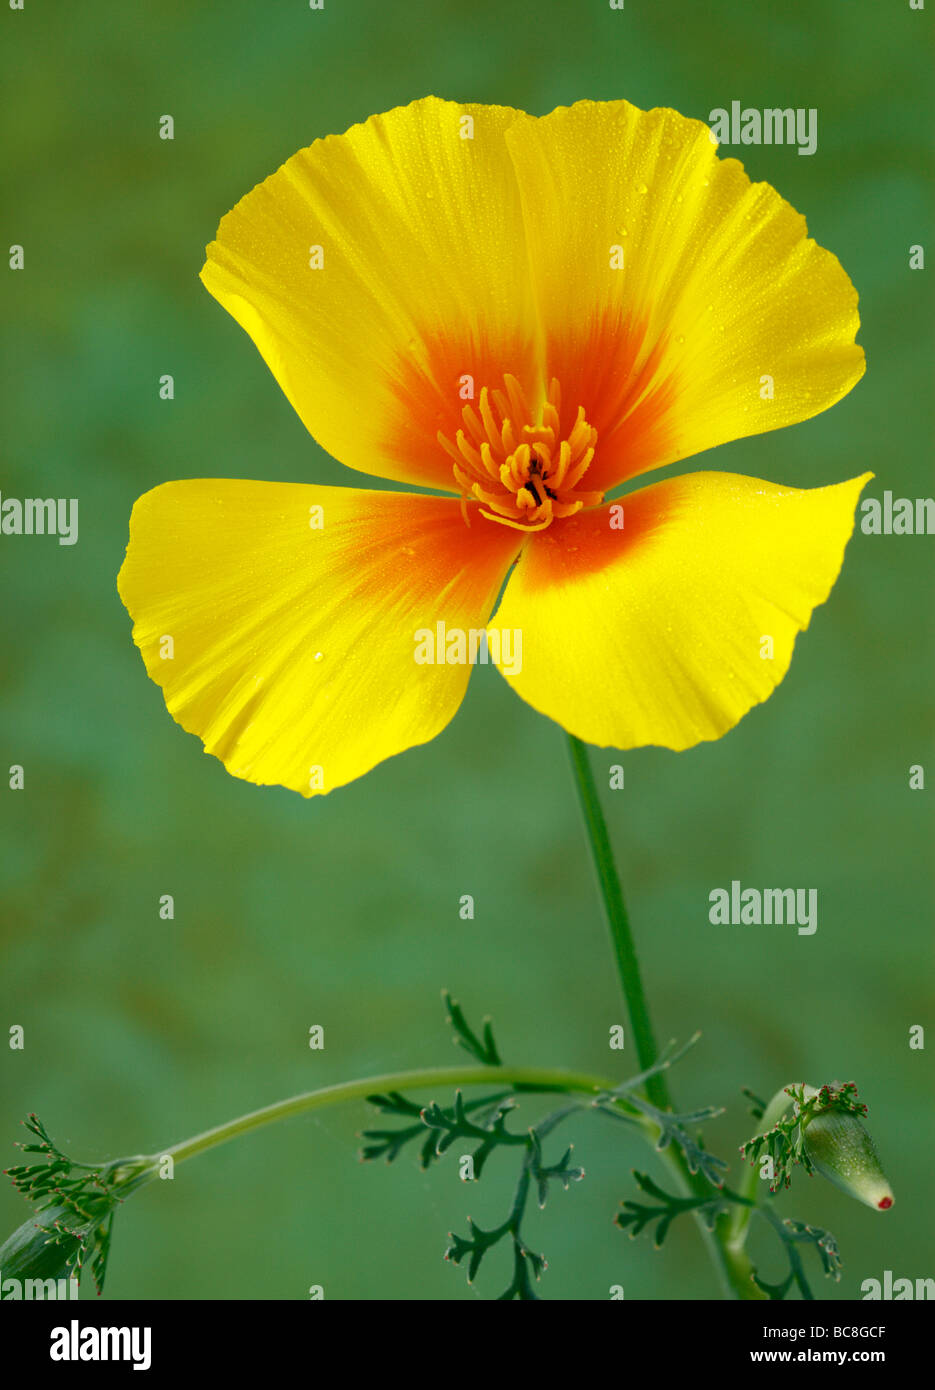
637 1216
792 1234
482 1125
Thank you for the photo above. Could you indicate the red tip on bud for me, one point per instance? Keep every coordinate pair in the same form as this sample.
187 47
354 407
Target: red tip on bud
885 1203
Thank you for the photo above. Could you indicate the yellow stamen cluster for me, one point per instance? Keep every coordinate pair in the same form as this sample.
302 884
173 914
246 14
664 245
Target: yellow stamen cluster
523 474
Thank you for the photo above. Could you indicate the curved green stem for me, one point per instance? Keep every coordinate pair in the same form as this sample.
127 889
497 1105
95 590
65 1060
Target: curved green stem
732 1262
749 1187
530 1078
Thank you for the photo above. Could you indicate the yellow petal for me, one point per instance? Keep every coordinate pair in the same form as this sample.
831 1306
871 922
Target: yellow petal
284 637
423 281
670 630
719 288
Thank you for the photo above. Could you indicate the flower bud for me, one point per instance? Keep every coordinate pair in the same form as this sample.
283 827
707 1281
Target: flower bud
840 1148
35 1251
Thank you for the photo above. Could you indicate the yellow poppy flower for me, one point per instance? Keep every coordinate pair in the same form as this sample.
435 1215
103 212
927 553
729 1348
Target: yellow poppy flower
522 314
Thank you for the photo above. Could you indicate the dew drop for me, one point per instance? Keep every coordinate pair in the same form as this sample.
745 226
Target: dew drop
318 656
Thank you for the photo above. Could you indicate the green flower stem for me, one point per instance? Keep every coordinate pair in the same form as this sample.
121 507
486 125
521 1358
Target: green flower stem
619 922
751 1185
532 1078
732 1263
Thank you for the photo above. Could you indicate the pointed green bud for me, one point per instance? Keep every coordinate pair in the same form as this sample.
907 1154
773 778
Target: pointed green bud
37 1250
73 1209
837 1144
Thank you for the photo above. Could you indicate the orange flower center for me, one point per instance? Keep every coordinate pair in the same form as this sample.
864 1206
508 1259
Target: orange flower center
524 474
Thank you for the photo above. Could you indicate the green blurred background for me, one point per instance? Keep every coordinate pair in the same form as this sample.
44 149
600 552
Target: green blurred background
344 911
